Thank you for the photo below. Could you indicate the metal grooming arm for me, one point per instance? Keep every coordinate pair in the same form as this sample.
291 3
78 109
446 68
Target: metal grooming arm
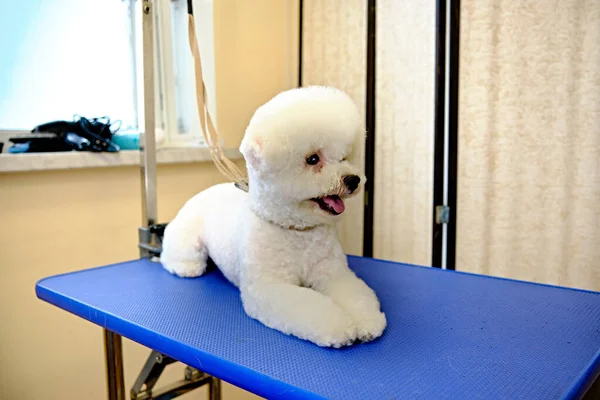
150 236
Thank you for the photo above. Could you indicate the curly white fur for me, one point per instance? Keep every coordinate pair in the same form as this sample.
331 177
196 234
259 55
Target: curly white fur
276 244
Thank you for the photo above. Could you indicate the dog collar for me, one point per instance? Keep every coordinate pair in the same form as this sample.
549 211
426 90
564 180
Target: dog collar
289 227
295 228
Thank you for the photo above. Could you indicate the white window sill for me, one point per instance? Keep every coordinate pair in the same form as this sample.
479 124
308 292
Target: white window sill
70 160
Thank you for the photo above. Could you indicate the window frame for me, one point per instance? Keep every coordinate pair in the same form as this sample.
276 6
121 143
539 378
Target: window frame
168 132
169 122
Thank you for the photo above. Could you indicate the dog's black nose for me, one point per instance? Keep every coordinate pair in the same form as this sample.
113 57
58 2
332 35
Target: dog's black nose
351 182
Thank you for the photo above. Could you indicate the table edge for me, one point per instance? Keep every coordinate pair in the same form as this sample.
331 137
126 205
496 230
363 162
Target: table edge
354 257
476 275
578 388
584 381
207 362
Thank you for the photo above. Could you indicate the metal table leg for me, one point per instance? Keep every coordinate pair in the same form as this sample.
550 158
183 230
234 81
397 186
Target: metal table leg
214 389
113 352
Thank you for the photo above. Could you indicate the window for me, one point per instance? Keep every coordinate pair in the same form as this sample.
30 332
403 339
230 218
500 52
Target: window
63 58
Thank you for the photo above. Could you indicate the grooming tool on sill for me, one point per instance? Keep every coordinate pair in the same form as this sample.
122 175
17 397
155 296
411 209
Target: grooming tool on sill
96 132
127 141
81 134
39 143
48 143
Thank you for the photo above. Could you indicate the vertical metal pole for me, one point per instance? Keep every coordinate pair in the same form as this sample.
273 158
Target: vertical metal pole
453 112
113 342
114 365
148 144
300 40
369 188
439 155
214 389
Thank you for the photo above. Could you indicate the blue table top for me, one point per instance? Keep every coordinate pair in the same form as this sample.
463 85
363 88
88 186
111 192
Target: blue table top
450 335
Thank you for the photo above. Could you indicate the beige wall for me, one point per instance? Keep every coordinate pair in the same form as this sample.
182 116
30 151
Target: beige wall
56 222
60 221
256 50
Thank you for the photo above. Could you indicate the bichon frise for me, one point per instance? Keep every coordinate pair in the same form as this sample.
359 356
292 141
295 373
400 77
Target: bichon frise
278 243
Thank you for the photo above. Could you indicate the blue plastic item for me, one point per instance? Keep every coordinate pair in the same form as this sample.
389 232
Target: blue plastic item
127 141
450 335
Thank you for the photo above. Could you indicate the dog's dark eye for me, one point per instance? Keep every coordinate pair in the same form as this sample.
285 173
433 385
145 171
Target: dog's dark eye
312 160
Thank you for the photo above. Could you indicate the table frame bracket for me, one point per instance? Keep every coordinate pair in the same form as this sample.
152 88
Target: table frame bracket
144 386
150 240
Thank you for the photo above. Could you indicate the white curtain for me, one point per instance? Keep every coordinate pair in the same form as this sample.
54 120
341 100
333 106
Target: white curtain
335 54
529 141
405 105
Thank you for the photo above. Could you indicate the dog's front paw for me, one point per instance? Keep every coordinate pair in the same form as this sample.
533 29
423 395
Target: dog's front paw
370 327
337 333
185 269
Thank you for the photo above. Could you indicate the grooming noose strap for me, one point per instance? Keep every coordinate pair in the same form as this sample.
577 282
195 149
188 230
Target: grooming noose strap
223 164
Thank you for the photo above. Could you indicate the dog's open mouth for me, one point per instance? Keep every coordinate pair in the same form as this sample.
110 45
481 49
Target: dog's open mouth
332 204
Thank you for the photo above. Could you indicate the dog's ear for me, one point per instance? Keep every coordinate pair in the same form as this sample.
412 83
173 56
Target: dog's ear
251 149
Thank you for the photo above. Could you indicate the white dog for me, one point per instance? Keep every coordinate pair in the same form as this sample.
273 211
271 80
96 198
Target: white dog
278 243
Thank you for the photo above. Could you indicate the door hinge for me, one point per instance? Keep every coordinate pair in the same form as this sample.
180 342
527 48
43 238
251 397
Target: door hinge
442 214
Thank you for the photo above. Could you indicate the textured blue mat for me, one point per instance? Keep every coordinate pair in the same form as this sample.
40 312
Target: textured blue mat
450 335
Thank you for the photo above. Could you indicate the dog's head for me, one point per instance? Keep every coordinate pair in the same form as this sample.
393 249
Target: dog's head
299 148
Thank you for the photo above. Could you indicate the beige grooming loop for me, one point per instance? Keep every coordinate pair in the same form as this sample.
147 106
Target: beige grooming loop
211 136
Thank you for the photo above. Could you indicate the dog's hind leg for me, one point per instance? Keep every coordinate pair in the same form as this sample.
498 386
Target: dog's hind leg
183 250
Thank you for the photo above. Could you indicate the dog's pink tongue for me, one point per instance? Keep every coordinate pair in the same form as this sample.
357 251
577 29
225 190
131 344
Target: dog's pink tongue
336 203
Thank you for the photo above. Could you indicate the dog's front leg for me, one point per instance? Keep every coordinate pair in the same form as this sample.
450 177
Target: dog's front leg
356 297
298 311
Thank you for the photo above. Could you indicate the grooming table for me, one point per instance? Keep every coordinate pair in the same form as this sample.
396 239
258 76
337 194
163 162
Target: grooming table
450 335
